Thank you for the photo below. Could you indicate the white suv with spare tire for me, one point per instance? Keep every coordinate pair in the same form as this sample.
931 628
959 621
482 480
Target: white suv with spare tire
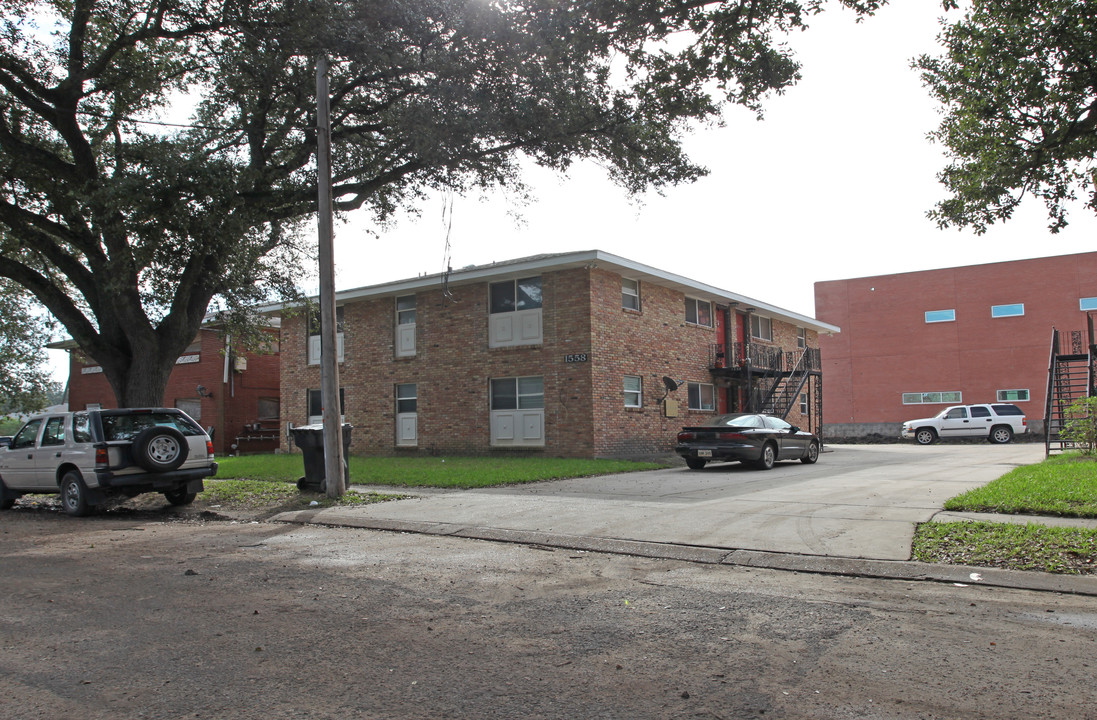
997 422
92 456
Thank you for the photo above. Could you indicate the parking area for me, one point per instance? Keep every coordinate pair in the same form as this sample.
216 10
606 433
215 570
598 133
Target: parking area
858 501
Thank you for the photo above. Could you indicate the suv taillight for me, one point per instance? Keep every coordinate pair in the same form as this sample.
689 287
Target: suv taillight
209 448
101 458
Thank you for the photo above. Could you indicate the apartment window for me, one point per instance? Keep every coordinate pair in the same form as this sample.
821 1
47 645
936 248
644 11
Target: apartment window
515 313
937 316
1014 310
1013 396
407 414
702 396
405 326
630 294
761 328
803 404
1089 303
699 312
932 398
517 411
801 338
634 386
314 335
270 408
191 406
316 406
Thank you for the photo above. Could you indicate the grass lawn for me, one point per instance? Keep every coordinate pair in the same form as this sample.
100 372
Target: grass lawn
1063 485
424 471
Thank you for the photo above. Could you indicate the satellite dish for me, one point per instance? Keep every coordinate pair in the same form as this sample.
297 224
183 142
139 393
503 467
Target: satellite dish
670 384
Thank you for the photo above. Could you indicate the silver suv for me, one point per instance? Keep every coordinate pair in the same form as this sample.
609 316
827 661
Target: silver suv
94 455
997 422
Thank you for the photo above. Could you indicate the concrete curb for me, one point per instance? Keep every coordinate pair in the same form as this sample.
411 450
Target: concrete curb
827 565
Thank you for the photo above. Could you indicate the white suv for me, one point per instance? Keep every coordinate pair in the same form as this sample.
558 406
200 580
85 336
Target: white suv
94 455
998 422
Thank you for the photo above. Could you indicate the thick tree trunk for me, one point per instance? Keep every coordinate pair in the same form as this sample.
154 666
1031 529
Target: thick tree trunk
142 382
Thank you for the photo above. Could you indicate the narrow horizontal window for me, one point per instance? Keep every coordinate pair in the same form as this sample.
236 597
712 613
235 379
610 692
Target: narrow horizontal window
932 398
1089 303
1013 396
936 316
1007 310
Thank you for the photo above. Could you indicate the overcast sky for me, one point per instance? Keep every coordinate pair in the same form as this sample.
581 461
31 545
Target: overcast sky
833 183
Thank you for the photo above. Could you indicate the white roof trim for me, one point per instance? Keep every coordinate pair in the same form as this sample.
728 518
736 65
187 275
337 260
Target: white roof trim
540 263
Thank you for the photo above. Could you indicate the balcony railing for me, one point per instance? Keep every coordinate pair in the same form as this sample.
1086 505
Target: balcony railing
765 358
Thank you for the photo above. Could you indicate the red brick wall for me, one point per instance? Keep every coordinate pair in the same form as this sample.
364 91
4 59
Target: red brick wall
886 348
231 406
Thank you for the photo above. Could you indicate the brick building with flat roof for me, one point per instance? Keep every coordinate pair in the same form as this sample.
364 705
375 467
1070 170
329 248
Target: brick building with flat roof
234 395
564 354
913 343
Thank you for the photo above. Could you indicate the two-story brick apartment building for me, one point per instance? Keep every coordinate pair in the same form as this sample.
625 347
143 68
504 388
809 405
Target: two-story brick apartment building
564 354
913 343
235 394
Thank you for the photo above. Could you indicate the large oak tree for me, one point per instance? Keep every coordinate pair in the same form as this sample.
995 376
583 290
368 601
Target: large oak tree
1018 83
126 230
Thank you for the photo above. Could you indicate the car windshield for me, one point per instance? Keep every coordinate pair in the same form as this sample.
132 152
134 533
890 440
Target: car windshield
127 426
736 420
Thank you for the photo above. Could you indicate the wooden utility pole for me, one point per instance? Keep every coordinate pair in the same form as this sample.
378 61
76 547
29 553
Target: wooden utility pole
329 349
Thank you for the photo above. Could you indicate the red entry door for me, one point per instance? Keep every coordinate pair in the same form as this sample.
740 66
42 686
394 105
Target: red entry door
721 357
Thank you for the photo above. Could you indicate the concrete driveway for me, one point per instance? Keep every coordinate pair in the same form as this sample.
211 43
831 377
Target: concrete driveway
858 501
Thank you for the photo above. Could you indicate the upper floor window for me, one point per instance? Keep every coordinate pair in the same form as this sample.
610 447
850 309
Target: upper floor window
515 313
936 316
405 310
630 294
1007 310
634 385
801 338
516 295
699 312
314 335
405 326
761 328
1089 303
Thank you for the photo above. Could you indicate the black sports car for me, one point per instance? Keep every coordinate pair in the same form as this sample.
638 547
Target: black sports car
758 439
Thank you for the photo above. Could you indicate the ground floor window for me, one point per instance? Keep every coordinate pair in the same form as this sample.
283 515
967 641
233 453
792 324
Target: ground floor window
931 398
316 406
634 386
518 411
1013 396
191 406
407 414
702 396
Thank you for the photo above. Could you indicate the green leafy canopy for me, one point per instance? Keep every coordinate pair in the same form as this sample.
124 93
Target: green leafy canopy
127 228
1018 86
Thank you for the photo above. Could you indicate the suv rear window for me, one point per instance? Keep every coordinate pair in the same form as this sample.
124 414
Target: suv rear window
126 427
1008 410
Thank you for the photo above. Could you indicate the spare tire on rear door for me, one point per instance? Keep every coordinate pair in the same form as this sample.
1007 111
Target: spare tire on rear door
160 448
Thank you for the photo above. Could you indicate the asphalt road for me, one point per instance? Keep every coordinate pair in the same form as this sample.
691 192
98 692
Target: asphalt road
102 619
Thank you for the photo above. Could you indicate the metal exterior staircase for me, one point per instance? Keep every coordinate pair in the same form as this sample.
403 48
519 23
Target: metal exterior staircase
1070 377
785 393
